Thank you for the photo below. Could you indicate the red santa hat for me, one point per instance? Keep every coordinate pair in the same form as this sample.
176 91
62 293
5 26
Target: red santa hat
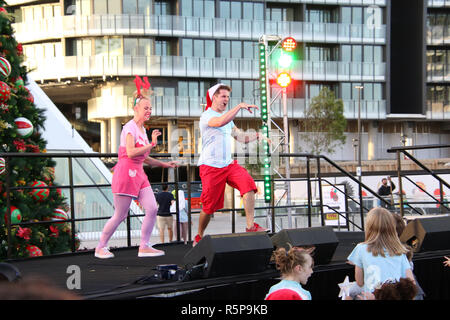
210 93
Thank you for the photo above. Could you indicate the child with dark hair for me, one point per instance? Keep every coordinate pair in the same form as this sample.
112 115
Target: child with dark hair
403 289
400 227
295 267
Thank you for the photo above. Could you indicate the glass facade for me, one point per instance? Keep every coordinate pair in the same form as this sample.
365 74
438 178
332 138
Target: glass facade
438 62
217 40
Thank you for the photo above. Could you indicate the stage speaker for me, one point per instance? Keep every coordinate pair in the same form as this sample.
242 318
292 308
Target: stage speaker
231 254
427 234
322 238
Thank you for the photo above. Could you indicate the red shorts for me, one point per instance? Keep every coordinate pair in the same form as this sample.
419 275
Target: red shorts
214 181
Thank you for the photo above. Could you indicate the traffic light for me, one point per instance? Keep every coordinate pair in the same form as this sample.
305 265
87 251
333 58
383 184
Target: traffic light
285 60
284 79
263 81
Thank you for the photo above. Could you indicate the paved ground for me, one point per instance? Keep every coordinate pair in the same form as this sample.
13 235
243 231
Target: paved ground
219 224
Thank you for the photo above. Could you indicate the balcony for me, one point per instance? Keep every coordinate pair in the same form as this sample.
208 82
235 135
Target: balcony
176 66
193 27
103 108
438 72
438 3
438 110
438 35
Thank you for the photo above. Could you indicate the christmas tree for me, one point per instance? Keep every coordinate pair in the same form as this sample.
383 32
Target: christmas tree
21 124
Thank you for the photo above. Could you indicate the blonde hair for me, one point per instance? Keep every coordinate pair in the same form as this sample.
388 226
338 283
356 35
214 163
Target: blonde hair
286 261
145 94
381 234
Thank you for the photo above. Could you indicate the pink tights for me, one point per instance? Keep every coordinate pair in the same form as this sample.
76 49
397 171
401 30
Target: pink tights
122 204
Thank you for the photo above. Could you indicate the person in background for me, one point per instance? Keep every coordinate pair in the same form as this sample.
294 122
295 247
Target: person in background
183 215
165 219
400 227
385 191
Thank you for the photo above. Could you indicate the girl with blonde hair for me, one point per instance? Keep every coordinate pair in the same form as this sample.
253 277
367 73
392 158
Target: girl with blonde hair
381 257
129 179
296 266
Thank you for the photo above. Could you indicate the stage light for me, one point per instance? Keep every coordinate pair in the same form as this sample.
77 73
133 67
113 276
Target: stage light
289 44
284 79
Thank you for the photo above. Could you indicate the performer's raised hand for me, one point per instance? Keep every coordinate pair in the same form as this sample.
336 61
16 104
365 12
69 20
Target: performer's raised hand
155 134
248 107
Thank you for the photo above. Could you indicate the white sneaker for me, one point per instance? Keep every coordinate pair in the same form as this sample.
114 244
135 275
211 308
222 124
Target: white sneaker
149 251
103 253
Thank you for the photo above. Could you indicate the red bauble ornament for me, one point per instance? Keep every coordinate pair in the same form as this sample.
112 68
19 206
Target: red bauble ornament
5 92
33 251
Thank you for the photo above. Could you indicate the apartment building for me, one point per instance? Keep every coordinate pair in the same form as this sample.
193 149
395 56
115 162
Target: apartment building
85 54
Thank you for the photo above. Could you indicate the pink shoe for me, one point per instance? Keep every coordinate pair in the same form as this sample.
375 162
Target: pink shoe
103 253
196 240
150 252
256 228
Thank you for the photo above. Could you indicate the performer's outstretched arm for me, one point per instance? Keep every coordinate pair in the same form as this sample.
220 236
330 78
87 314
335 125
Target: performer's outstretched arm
157 163
230 115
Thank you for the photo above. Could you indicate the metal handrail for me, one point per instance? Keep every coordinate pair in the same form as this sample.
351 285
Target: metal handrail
404 150
309 179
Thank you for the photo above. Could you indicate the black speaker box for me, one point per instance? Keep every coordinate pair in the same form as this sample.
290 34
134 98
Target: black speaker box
427 234
323 238
231 254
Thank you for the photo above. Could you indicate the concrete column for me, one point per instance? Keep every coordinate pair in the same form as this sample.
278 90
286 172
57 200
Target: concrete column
115 130
372 140
104 146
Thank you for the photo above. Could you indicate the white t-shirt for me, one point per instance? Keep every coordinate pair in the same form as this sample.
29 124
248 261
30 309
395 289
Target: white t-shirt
216 141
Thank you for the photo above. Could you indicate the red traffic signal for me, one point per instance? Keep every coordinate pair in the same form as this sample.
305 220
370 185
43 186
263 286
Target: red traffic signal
289 44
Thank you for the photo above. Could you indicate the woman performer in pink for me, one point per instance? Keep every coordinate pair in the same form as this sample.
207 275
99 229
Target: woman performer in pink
129 179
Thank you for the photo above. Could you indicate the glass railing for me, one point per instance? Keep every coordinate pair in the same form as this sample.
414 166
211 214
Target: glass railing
438 3
438 110
438 35
192 107
438 72
193 27
176 66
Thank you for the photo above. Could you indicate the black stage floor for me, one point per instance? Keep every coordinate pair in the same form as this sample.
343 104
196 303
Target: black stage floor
128 277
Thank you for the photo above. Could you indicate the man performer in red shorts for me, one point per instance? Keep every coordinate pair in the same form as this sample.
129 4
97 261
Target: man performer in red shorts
217 168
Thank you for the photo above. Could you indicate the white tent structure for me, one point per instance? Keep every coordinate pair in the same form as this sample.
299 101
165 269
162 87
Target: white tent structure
90 201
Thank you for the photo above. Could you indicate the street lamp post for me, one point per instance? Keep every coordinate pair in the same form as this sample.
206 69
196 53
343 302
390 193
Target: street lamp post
359 170
359 130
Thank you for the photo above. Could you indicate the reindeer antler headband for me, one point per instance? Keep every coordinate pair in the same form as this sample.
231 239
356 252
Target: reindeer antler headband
139 85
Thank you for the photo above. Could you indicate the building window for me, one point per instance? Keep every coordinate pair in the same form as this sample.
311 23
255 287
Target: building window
316 14
241 10
371 91
198 8
238 49
163 8
198 48
163 47
276 12
193 88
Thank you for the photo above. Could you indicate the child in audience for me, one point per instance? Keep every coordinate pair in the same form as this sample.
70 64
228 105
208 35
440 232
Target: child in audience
381 257
400 227
296 266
